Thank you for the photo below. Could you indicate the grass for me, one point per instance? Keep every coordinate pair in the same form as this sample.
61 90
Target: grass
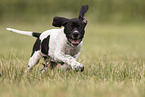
113 56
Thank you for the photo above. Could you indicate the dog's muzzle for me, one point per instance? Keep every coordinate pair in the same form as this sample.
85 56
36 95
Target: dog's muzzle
75 39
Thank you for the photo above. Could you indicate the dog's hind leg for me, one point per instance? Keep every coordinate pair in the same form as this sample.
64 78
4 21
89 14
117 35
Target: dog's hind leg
52 64
45 66
49 63
34 60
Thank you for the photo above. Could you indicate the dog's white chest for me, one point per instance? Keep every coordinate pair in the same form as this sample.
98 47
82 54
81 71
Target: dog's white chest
69 50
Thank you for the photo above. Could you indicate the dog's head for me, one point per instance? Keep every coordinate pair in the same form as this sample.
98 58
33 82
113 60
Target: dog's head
73 28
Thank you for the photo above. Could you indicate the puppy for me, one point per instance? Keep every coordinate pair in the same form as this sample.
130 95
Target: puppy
59 45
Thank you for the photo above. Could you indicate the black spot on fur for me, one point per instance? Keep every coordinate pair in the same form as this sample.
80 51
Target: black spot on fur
35 34
36 46
45 45
44 57
62 63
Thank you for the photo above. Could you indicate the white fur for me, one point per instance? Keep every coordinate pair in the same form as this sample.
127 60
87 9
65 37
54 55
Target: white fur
60 50
34 59
20 32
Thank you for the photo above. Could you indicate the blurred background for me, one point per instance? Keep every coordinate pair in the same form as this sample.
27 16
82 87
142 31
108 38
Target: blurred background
109 22
101 11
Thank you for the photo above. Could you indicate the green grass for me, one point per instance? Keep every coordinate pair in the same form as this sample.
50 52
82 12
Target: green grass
113 56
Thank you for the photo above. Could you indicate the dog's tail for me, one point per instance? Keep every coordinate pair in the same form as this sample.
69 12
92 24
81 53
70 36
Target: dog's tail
29 33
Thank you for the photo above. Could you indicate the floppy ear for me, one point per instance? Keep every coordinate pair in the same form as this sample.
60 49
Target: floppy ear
83 10
59 21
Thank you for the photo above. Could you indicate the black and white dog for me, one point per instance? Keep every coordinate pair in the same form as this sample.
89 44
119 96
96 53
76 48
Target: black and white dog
59 45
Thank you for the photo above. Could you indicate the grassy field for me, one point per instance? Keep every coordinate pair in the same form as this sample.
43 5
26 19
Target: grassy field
113 56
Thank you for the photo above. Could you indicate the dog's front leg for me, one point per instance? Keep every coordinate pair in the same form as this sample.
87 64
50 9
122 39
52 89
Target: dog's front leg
69 60
67 67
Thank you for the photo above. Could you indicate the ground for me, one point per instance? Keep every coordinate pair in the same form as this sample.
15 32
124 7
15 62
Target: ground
113 56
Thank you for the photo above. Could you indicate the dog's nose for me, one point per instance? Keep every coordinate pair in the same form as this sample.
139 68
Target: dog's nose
75 34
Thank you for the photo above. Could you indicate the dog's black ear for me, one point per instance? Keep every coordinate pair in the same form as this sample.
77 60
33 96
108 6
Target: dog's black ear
83 10
59 21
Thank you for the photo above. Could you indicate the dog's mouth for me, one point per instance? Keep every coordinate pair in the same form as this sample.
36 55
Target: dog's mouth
74 41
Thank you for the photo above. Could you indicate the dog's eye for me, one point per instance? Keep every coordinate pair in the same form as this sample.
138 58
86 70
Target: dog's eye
78 25
69 27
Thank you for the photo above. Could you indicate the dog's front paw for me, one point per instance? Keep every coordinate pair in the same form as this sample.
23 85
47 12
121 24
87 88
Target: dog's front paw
79 67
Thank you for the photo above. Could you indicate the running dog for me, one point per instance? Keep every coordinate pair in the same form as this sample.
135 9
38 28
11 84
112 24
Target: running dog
59 46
